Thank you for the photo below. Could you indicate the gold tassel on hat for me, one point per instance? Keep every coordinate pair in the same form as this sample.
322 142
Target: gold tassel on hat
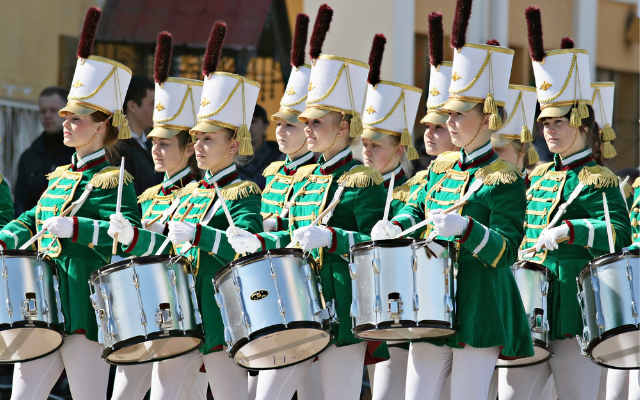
355 126
575 119
532 154
490 105
607 133
405 139
582 109
525 135
412 153
244 137
609 150
495 121
120 121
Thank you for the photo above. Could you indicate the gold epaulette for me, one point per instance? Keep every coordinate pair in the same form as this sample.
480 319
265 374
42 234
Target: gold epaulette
500 171
361 176
187 190
57 173
541 169
1 178
419 177
240 190
108 178
628 190
149 194
636 183
598 177
402 192
303 172
444 161
273 168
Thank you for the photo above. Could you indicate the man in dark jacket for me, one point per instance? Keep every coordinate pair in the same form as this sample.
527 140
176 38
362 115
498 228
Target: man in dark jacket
46 153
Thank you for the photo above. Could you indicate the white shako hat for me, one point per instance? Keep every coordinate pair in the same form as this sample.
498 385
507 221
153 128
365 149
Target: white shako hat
176 99
602 103
521 111
439 80
99 84
228 100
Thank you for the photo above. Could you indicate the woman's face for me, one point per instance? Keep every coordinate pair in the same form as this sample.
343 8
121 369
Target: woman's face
290 137
168 156
321 132
215 149
382 155
464 125
508 152
79 130
560 136
437 139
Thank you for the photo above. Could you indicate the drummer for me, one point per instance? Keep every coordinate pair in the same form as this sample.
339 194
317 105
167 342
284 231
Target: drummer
635 212
6 204
568 121
491 319
173 154
201 238
78 243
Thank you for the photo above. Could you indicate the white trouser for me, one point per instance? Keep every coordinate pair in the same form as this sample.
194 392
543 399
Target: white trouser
311 386
168 380
199 387
275 384
391 375
87 372
429 366
227 380
634 384
253 386
617 386
549 390
575 376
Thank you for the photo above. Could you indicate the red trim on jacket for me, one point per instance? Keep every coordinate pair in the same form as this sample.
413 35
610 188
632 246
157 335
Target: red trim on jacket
74 236
198 234
467 232
572 235
133 241
334 240
262 243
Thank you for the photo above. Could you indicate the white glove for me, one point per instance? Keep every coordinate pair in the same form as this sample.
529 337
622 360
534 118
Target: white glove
181 232
385 230
312 237
243 241
270 224
155 227
548 238
120 225
62 227
447 225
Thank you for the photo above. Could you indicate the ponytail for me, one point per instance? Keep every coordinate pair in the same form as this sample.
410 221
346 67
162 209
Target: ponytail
183 140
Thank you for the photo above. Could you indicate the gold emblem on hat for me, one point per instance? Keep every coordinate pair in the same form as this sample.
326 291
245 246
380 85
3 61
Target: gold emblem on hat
290 92
434 91
370 110
455 77
160 107
545 85
311 87
77 84
204 102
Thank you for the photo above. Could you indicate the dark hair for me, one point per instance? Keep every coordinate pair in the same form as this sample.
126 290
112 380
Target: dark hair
138 90
261 113
183 140
54 90
110 134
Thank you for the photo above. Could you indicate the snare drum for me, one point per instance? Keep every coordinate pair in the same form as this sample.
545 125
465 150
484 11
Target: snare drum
608 293
401 291
271 309
533 282
146 309
31 318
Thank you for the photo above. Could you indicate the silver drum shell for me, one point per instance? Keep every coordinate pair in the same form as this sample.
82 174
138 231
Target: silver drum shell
433 282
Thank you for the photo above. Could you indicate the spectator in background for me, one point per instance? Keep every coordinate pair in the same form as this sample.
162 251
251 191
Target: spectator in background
264 151
138 107
46 153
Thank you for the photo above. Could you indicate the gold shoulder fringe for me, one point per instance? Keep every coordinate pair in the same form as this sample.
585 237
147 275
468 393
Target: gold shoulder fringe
149 194
1 178
303 172
187 190
108 178
628 190
240 190
273 168
500 171
541 169
402 193
57 173
419 177
636 183
598 177
445 161
361 176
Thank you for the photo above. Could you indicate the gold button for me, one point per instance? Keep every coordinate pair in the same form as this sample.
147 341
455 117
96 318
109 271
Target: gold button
636 235
529 197
90 245
210 253
636 209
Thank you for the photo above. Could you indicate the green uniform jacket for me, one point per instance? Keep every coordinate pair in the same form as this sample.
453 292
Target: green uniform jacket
211 250
157 199
6 205
89 248
360 207
551 185
634 211
489 308
278 189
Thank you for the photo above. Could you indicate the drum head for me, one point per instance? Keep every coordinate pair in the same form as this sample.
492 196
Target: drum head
405 330
618 348
275 349
606 259
540 355
251 258
156 347
25 342
532 266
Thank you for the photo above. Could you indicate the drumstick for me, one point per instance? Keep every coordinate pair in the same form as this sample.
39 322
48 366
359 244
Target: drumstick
166 241
389 196
153 221
226 212
429 220
317 220
612 248
114 249
533 249
267 217
43 231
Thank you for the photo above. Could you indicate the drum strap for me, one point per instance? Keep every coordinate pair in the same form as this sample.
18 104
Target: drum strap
563 207
212 211
78 203
336 197
169 211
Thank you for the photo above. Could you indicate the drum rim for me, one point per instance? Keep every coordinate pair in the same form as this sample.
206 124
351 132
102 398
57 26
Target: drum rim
388 243
608 335
605 259
271 329
26 253
387 325
240 262
532 266
39 325
542 344
123 264
153 335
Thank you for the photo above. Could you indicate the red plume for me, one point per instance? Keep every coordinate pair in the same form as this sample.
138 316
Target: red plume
214 48
163 57
299 40
436 38
567 43
534 30
89 32
320 29
493 42
375 58
460 23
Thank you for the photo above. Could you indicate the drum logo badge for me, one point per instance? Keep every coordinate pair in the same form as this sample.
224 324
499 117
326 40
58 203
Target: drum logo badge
259 294
101 314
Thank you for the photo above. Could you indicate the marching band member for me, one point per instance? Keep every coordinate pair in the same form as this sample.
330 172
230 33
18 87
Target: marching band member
78 243
491 321
173 154
575 181
222 133
635 212
6 204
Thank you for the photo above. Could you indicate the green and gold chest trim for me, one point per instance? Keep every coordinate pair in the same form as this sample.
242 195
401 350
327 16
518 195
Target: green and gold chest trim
161 196
278 190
